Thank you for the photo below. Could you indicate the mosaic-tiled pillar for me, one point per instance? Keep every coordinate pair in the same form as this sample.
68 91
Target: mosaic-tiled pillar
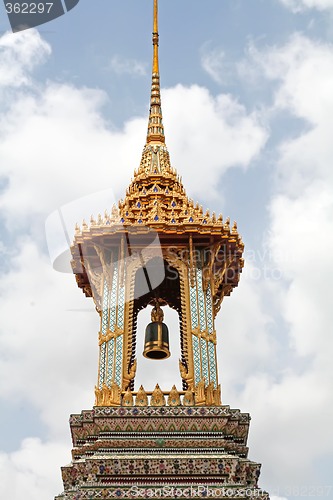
202 326
112 327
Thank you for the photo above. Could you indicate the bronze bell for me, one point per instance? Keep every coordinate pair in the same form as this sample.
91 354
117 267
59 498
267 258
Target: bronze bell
157 336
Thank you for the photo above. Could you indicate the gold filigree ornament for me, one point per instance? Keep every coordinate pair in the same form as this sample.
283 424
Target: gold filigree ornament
157 398
141 397
129 375
209 393
98 396
127 398
217 396
200 393
174 397
108 396
185 375
188 399
114 395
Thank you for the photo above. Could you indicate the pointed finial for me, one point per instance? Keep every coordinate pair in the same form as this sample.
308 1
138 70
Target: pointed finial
155 124
155 38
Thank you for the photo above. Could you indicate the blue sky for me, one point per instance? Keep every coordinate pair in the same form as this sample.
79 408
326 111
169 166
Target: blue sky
248 104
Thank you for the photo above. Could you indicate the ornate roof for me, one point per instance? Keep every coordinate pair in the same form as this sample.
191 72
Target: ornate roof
156 196
156 199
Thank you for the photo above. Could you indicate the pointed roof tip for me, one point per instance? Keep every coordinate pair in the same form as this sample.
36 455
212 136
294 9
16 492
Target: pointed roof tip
155 38
155 132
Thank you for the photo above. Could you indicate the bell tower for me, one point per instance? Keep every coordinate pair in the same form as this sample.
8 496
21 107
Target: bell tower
158 248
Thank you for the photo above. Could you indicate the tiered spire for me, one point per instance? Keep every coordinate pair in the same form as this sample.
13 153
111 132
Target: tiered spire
155 124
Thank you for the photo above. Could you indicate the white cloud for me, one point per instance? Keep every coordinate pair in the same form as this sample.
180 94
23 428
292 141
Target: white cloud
284 414
206 134
122 66
32 472
245 346
300 241
213 62
55 147
48 347
19 55
308 298
295 65
300 5
44 343
303 69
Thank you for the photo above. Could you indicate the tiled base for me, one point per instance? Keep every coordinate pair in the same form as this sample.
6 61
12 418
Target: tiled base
160 452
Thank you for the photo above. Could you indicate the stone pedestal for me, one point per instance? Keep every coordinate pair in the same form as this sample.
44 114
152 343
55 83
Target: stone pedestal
160 452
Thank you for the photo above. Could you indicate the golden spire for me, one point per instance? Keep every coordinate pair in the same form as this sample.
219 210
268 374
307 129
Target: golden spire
155 38
155 124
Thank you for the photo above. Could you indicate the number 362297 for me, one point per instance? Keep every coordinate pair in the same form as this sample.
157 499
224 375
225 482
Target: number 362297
29 8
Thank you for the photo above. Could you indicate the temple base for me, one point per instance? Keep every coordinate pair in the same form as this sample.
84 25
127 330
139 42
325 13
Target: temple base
160 452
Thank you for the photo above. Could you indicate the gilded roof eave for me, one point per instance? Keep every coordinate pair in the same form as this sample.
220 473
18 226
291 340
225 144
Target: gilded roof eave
106 232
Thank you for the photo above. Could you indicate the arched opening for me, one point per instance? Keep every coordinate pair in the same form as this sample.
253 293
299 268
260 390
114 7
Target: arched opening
164 372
